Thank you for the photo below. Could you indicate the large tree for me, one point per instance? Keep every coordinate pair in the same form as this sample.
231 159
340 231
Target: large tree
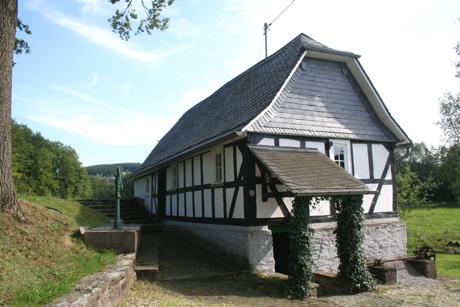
121 23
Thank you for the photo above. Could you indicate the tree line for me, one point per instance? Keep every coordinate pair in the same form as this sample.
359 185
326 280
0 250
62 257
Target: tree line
44 167
428 176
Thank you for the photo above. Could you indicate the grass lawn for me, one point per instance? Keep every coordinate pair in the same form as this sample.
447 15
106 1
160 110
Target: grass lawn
435 227
43 259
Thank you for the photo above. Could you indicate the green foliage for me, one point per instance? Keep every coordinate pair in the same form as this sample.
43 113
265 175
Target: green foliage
103 187
122 20
43 167
450 169
21 45
300 262
412 192
450 117
109 170
349 240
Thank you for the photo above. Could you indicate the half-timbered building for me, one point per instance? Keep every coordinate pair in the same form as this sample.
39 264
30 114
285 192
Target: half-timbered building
306 121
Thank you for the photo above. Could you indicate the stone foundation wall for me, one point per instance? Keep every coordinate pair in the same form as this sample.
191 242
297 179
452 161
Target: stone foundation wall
383 238
251 247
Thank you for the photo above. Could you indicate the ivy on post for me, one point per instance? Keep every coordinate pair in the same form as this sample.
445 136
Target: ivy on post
349 240
300 262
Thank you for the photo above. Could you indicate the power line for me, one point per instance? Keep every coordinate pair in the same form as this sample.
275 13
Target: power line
267 26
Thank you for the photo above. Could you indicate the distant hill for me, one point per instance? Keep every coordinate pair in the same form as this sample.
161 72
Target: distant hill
110 169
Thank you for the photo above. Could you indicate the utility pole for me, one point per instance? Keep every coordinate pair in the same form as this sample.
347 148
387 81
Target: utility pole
265 34
267 27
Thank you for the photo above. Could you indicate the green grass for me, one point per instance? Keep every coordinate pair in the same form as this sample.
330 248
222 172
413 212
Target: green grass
435 226
432 226
448 265
43 259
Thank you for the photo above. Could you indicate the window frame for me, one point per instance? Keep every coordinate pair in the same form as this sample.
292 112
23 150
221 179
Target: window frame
346 144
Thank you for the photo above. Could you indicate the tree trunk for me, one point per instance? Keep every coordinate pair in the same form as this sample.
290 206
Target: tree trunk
8 21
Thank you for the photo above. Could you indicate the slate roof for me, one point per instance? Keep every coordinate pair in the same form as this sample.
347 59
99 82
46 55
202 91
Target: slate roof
236 103
322 99
308 172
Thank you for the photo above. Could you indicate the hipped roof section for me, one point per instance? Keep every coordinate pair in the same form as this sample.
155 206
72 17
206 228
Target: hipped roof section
308 172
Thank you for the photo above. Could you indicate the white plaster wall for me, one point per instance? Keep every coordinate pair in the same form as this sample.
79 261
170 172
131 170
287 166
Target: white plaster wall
174 204
188 172
168 207
181 204
361 161
208 174
316 145
380 156
267 142
289 142
180 177
142 191
229 172
218 203
266 209
197 170
207 203
384 202
238 212
198 204
189 202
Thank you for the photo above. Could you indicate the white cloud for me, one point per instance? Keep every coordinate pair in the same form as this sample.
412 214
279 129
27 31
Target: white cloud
128 130
100 35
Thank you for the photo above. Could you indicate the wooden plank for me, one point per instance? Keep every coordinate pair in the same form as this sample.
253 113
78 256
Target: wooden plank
370 161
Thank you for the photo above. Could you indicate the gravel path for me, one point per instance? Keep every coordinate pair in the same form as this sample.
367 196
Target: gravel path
248 290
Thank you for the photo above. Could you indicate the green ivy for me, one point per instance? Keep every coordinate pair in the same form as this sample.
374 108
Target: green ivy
349 239
300 262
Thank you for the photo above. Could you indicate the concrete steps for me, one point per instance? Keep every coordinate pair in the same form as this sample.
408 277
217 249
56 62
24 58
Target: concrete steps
132 212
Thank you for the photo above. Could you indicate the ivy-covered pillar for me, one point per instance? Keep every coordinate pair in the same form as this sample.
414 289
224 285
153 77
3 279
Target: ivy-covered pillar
349 241
300 262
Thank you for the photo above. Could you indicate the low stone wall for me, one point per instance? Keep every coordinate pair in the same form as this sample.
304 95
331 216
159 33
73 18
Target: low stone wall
383 238
251 247
104 289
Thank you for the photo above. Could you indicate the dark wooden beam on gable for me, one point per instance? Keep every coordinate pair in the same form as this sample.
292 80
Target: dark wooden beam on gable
380 185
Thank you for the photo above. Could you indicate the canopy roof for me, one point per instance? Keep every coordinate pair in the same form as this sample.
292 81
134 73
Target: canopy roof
308 172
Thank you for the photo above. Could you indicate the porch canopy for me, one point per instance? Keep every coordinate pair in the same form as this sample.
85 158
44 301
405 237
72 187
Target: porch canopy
308 172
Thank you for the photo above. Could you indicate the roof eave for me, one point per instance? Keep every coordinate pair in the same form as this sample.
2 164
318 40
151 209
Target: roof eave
233 134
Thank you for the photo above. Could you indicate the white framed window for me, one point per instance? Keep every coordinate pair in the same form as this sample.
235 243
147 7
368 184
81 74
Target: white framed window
218 167
340 153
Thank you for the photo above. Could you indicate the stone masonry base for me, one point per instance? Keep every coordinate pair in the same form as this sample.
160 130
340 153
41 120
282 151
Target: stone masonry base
252 246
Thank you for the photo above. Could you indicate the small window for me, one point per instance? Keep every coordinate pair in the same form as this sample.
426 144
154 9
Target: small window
174 177
147 185
218 167
340 155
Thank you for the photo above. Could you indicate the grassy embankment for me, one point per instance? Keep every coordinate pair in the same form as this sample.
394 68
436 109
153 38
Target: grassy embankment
43 259
435 227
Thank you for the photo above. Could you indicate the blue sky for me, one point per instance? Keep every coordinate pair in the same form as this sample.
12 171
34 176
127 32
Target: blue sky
112 101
